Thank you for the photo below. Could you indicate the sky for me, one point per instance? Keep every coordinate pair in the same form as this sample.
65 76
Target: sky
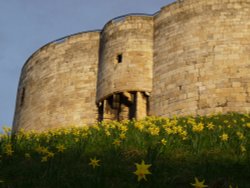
26 25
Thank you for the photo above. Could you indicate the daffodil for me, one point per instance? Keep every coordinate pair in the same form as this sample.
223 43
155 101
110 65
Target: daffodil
94 162
240 135
107 133
50 154
76 139
248 125
142 170
9 152
198 184
8 149
139 125
183 135
60 148
242 148
169 130
163 141
123 128
41 149
122 136
8 146
210 126
117 142
224 137
154 130
198 127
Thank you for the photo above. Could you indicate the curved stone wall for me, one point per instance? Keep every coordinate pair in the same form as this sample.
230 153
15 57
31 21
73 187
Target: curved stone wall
129 38
201 58
57 86
192 56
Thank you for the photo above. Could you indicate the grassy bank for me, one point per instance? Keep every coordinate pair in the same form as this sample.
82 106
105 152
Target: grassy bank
154 152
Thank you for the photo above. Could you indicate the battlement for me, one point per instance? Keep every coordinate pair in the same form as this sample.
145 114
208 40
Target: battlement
191 57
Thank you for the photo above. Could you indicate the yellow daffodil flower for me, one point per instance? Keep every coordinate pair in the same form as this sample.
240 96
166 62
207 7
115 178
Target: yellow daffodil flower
42 150
169 131
117 142
164 141
198 127
139 125
122 136
154 130
142 170
224 137
9 152
198 184
242 148
60 148
50 154
94 162
107 133
240 135
123 128
248 125
210 126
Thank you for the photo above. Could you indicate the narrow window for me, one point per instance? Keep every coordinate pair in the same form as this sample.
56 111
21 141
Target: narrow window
22 97
119 58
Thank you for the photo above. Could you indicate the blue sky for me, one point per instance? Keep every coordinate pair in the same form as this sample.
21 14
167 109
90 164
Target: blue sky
26 25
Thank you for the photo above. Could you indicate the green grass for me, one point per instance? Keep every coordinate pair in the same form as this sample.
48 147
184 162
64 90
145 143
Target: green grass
212 148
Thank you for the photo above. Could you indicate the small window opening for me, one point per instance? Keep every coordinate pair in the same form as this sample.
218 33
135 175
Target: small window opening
119 58
180 88
22 97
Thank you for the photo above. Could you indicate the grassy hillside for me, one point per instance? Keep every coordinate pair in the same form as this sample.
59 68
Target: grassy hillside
154 152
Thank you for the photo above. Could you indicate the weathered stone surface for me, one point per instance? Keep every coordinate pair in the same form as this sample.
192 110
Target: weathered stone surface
192 57
201 59
131 37
60 85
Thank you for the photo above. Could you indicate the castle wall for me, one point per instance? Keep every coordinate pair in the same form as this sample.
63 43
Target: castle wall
58 85
201 58
131 37
192 57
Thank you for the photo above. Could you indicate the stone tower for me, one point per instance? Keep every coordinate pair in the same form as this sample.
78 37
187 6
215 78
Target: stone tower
57 87
125 68
191 57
